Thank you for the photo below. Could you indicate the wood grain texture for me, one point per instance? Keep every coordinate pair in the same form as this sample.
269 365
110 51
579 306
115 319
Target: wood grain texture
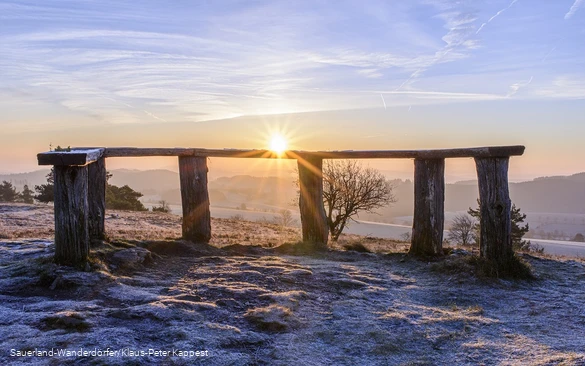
493 151
96 198
313 218
71 216
77 156
495 240
429 202
195 198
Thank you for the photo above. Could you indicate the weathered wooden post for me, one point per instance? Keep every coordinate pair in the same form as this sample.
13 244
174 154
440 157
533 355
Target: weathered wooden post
429 200
72 211
96 198
71 215
195 198
313 218
495 241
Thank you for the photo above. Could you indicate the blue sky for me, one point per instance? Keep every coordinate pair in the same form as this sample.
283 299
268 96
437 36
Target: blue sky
82 64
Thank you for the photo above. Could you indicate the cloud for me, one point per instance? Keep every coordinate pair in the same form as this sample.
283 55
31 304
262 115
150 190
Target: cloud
573 9
155 64
517 86
564 87
457 41
370 73
437 95
496 15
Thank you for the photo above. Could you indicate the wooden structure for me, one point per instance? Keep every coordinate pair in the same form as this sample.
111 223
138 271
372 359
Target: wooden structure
80 180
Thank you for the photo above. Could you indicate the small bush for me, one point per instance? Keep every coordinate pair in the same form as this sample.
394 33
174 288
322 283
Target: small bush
3 233
68 321
123 198
164 207
513 268
356 246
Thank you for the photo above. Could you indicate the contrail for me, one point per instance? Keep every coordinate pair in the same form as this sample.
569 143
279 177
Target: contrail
383 101
153 116
498 13
573 9
132 107
548 54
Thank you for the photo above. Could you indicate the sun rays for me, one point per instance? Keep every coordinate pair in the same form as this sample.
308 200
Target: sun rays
278 144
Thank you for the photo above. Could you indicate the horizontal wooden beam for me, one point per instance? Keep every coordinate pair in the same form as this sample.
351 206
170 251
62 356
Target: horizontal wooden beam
84 156
473 152
470 152
77 156
119 152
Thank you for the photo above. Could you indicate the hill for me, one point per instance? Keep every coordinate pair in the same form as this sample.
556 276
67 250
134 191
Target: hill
557 194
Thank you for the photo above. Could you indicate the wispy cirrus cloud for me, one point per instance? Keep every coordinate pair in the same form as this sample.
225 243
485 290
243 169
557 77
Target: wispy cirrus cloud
457 41
564 87
193 62
573 9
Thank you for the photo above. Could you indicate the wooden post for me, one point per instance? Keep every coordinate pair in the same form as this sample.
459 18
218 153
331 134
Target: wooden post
313 218
96 199
429 201
495 241
195 198
71 215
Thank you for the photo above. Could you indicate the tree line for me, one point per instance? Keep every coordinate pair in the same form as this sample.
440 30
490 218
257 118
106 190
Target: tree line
117 198
8 193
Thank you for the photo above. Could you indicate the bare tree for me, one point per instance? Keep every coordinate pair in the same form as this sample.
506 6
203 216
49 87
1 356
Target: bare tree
349 188
284 219
462 230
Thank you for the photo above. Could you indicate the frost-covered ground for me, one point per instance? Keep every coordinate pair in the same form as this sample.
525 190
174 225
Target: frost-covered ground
257 306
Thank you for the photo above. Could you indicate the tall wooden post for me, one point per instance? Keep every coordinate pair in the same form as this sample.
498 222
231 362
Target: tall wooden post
429 201
495 241
313 218
195 198
96 199
71 215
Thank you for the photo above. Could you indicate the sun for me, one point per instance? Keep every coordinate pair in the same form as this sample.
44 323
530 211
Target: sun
278 144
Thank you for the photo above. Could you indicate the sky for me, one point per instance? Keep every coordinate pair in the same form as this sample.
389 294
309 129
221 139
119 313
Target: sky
325 74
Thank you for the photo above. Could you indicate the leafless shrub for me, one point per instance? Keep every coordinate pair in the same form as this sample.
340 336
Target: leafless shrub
462 230
284 219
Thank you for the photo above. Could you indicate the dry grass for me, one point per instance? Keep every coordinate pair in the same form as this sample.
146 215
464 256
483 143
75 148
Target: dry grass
369 244
36 221
515 268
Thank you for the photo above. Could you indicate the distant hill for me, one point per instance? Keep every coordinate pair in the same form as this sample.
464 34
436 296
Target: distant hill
556 194
146 181
579 177
30 178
